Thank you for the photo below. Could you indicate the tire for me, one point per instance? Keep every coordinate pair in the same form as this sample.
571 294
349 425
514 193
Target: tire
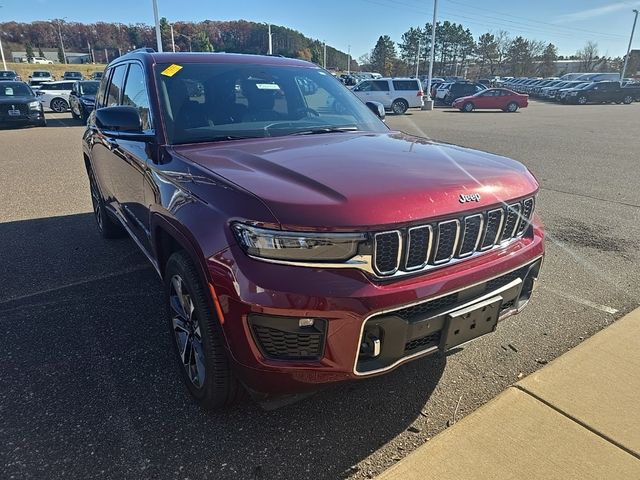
107 226
197 336
59 105
511 107
42 123
582 100
399 106
74 115
468 107
448 100
627 99
84 115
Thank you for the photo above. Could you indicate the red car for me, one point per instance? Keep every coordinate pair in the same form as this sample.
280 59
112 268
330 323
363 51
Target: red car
492 98
299 240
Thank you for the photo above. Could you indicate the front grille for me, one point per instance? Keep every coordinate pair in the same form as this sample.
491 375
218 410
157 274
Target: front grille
4 108
422 343
452 239
283 345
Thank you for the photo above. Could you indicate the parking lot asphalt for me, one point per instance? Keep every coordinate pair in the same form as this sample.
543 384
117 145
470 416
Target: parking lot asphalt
89 387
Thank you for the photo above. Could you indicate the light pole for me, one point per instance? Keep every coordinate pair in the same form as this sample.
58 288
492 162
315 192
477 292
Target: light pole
173 43
349 60
324 55
626 59
64 54
418 58
4 63
157 20
270 41
429 102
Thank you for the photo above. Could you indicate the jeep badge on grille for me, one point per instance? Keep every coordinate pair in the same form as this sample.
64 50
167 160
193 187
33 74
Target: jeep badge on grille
472 197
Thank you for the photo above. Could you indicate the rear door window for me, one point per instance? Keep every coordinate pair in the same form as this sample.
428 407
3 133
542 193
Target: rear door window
380 86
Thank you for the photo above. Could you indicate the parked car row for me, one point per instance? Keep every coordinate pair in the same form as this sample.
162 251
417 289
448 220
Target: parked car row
580 89
448 92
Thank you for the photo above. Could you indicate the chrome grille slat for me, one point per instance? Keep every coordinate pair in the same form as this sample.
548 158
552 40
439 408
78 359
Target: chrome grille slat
421 247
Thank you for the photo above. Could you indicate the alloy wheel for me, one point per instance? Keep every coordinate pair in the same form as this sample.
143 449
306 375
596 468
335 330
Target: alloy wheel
186 329
59 105
512 107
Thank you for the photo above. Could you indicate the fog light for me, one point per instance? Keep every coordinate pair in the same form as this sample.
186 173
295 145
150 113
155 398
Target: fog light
306 322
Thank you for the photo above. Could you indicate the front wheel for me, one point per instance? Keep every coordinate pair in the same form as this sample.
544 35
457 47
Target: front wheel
399 107
74 115
512 107
59 105
627 99
468 107
107 226
582 100
197 336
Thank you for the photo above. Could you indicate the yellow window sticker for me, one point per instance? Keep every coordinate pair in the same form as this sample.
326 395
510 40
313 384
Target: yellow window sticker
171 70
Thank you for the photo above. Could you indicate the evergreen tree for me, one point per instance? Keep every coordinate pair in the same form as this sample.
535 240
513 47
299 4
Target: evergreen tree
30 53
549 58
383 55
201 42
61 58
40 52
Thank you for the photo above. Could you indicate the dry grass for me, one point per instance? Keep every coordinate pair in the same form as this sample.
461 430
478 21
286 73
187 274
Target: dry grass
25 69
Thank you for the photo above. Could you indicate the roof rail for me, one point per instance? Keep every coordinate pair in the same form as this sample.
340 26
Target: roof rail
143 49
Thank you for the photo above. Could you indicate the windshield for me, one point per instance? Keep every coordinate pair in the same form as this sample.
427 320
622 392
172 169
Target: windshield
15 90
208 102
7 74
41 74
73 74
89 88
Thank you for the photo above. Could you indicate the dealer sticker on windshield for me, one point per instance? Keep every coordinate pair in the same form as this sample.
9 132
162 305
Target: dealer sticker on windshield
171 70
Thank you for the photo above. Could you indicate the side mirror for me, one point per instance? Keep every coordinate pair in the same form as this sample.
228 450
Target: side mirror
121 122
377 108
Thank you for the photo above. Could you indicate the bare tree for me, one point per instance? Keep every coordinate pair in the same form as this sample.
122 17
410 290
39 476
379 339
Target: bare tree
503 42
588 56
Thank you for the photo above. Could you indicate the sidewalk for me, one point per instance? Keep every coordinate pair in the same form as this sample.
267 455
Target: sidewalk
576 418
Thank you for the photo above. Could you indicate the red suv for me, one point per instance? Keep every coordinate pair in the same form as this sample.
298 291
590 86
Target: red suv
300 241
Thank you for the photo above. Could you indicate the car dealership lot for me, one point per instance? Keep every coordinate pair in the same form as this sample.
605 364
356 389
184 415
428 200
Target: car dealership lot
88 384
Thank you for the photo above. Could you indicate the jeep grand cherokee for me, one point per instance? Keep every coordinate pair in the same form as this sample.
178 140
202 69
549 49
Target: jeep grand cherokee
300 241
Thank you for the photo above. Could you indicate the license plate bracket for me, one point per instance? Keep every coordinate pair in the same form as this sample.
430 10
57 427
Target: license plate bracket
470 322
14 113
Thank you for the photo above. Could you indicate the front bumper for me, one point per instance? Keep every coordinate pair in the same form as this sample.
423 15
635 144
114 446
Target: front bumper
30 118
412 313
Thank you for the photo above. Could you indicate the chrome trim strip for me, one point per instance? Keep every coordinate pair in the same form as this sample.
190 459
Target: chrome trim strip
475 247
430 299
408 248
375 247
455 242
498 231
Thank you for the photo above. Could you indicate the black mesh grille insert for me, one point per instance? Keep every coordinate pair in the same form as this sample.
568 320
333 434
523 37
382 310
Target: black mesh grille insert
494 218
527 210
422 343
418 247
425 310
470 234
513 215
447 233
386 254
283 345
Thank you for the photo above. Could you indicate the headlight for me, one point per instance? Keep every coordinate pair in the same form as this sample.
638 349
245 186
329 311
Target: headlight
87 101
34 105
297 247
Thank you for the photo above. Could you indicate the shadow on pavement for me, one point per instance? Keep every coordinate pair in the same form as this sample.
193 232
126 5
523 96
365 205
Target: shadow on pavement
89 386
67 121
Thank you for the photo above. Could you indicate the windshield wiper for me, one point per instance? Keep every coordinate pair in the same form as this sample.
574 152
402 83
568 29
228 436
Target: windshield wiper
220 138
320 130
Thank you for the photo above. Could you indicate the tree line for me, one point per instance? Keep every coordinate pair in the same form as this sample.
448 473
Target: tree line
457 52
108 40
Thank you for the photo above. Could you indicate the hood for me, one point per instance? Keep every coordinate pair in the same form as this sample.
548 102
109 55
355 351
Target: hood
463 99
362 180
17 99
88 98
